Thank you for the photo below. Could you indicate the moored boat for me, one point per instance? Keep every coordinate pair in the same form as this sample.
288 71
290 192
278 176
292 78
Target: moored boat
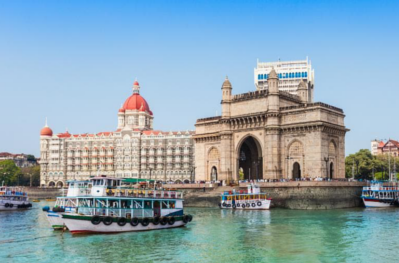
379 196
251 199
112 207
13 198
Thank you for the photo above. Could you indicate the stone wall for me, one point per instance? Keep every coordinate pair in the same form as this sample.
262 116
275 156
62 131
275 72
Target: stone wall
292 195
43 193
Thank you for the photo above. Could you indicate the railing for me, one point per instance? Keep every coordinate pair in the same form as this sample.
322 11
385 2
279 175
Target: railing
116 212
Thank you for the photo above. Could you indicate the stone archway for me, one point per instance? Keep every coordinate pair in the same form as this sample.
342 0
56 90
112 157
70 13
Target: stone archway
51 184
250 160
60 184
214 174
296 171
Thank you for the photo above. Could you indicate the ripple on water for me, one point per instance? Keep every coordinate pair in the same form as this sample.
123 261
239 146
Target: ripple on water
348 235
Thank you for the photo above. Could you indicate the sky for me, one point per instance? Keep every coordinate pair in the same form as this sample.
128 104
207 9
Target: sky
74 62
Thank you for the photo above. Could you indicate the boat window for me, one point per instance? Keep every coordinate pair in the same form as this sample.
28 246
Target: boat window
164 205
147 205
172 204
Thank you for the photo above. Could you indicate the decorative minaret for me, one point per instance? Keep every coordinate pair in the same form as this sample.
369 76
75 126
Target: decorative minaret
303 91
273 97
45 135
226 97
273 156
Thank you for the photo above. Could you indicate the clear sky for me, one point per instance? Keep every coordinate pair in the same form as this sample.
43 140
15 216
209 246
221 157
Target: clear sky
75 61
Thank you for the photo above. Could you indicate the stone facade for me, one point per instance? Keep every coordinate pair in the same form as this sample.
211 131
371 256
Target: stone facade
270 134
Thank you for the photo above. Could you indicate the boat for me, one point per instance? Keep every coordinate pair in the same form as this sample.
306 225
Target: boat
251 199
112 207
379 196
13 198
67 203
36 200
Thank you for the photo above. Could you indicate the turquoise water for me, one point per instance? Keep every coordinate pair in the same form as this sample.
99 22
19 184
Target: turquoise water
347 235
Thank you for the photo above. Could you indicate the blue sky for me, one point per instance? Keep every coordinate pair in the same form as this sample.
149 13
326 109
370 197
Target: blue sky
75 61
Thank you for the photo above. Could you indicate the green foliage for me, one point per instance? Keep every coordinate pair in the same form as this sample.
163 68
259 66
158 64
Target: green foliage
30 173
362 164
30 158
9 172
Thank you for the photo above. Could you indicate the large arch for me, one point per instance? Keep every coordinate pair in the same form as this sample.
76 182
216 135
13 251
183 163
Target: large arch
60 184
250 159
213 164
294 159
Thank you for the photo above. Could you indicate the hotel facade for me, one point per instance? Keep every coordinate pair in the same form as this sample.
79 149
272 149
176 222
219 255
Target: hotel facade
134 150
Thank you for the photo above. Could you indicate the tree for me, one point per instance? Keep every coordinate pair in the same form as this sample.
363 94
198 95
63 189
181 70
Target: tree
9 172
30 158
31 173
361 162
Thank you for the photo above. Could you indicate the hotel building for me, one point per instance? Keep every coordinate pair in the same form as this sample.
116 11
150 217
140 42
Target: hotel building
134 150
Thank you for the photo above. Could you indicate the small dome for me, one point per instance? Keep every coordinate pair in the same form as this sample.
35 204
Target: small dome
272 74
121 110
136 83
226 83
302 85
46 131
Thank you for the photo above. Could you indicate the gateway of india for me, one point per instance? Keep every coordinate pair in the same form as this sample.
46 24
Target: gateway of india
275 132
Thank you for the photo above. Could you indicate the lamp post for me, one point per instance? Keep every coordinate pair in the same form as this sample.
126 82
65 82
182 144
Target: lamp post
288 164
256 163
326 159
150 172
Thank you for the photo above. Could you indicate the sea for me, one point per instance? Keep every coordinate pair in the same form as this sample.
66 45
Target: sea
214 235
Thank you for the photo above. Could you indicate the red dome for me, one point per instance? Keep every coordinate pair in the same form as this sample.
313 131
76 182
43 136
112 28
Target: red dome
121 110
46 131
136 83
136 102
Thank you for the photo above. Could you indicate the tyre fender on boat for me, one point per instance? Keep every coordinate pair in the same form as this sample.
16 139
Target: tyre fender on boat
164 220
253 204
145 221
259 203
107 220
11 205
7 205
234 206
171 220
185 219
190 218
156 220
122 221
135 221
95 220
224 204
247 205
238 204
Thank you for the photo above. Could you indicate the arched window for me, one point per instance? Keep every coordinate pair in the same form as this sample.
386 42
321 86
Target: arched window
331 149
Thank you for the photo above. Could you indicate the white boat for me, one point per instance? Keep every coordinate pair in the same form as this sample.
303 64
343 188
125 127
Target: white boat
252 199
111 207
67 203
380 196
13 198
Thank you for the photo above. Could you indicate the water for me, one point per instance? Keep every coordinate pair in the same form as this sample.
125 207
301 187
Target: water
347 235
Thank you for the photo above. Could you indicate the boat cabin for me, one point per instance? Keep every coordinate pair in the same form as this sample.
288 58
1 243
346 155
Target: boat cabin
100 185
79 188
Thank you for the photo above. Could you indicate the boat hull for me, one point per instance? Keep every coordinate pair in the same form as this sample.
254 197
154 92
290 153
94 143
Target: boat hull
82 225
55 219
377 203
14 205
248 205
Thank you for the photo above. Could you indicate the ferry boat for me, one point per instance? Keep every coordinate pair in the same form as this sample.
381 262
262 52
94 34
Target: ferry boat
112 208
251 199
378 195
67 203
12 198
